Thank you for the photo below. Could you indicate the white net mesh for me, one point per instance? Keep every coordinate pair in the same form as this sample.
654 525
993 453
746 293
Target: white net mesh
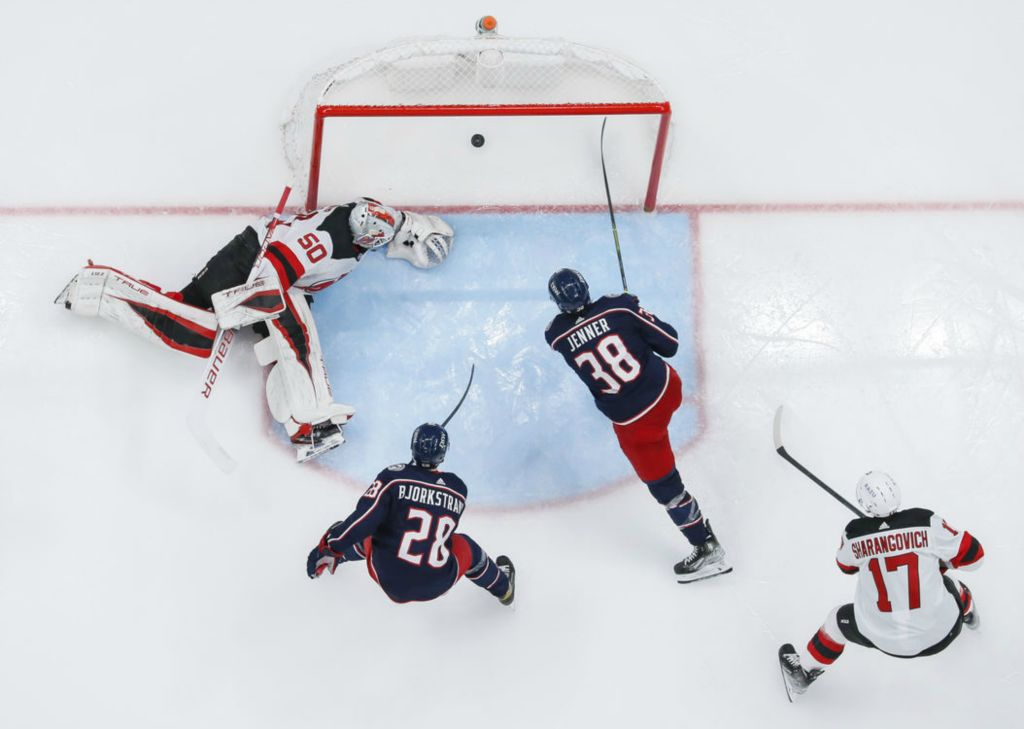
481 70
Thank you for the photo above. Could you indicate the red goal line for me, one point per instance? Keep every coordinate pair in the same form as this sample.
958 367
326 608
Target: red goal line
748 208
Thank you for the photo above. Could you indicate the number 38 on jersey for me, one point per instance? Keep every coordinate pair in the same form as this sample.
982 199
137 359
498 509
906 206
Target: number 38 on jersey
611 363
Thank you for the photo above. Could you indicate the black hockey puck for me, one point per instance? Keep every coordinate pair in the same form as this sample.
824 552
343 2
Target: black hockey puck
477 140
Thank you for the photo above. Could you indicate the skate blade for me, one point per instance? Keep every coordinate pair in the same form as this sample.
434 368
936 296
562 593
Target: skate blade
704 574
785 683
62 297
791 691
308 453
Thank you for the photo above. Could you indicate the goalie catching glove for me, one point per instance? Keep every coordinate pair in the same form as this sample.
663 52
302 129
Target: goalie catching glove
423 240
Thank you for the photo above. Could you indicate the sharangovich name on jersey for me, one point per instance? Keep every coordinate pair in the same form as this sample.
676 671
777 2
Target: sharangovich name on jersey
423 494
887 543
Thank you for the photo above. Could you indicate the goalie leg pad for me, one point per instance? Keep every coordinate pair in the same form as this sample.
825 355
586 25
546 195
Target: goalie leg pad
249 303
140 308
298 391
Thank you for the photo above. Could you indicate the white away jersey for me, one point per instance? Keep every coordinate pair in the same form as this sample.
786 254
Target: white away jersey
310 251
902 604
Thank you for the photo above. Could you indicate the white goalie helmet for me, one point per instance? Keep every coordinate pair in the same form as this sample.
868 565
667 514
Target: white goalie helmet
878 494
374 224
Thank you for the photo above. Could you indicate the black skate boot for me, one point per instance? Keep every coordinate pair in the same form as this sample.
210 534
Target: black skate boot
970 610
706 560
795 677
506 566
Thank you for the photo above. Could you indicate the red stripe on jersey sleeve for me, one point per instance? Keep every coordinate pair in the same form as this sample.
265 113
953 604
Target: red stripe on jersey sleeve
970 551
847 568
292 259
282 274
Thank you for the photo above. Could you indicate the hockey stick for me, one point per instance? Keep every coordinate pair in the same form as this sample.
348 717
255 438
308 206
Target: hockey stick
458 405
196 418
781 450
611 211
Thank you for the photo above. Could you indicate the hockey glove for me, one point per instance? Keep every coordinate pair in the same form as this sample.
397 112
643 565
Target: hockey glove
321 559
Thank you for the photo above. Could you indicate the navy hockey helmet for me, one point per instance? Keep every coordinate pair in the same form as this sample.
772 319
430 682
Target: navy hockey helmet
569 290
429 445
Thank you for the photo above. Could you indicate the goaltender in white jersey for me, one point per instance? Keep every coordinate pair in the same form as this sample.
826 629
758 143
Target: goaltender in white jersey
904 605
306 253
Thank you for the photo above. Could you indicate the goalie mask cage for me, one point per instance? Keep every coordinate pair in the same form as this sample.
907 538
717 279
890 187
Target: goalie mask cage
482 76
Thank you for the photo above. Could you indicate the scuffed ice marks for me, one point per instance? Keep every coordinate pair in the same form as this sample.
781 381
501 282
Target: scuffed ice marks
399 342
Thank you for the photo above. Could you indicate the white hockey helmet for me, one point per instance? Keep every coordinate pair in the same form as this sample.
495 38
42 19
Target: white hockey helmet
373 224
878 494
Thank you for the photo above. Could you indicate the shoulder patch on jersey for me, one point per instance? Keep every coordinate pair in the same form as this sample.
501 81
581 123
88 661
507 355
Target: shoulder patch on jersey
397 467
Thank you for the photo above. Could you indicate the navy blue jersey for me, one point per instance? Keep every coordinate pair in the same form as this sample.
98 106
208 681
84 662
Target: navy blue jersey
614 347
411 513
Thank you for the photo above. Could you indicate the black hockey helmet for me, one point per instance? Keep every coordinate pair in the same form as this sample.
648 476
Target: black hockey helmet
569 290
429 445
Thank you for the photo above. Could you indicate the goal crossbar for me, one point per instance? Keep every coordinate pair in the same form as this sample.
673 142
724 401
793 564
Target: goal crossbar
661 109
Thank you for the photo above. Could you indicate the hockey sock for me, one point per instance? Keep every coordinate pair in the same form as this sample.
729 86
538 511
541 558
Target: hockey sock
682 508
485 572
966 599
826 645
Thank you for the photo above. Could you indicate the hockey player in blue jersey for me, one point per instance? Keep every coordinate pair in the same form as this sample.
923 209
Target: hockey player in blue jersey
616 348
404 528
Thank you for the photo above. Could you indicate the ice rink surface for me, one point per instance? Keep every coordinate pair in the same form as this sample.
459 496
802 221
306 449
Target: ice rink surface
877 292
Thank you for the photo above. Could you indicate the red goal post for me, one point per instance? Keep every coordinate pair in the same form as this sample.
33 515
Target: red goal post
487 75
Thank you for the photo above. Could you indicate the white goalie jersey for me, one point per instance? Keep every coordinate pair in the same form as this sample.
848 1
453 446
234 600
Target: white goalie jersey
902 603
310 251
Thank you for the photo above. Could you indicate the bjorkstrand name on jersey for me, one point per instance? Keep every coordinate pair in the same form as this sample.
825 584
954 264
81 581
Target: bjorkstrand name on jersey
431 497
584 334
899 542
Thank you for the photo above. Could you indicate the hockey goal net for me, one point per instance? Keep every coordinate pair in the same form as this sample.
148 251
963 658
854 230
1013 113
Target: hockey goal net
497 111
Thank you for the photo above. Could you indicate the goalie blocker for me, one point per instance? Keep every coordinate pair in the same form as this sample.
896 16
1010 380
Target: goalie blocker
307 253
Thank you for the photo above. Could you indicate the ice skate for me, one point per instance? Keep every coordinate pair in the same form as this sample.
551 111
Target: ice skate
794 676
705 561
64 295
506 566
93 284
971 618
315 440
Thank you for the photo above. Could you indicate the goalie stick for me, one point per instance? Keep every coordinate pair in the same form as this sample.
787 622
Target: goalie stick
781 450
611 211
196 418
